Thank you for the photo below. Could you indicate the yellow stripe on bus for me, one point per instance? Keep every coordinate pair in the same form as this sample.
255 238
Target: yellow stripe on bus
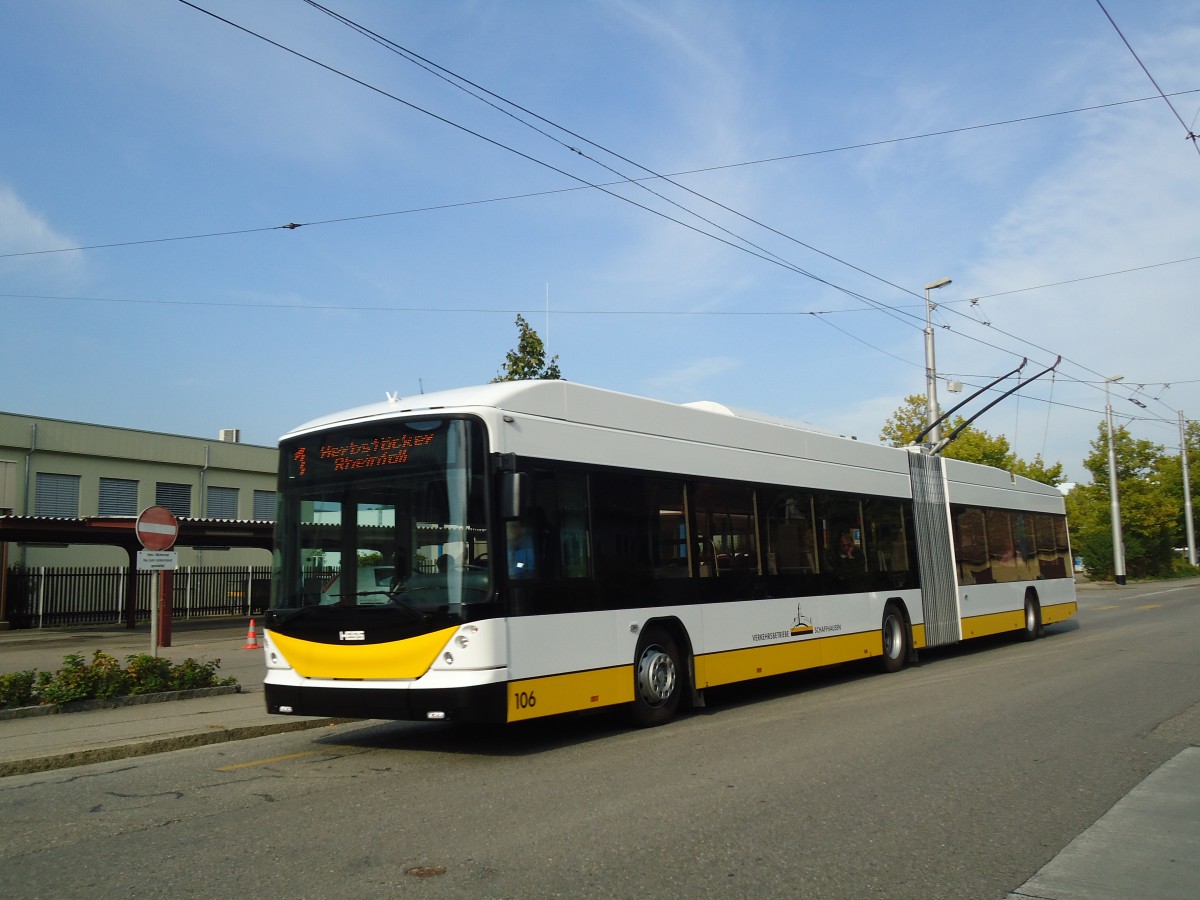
1059 612
731 666
999 623
995 623
550 695
553 694
409 658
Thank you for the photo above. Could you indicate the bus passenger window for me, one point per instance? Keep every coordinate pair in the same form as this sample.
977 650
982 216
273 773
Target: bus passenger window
792 543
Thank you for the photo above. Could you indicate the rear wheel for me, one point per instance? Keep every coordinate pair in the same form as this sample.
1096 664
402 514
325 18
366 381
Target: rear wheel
895 638
658 678
1032 626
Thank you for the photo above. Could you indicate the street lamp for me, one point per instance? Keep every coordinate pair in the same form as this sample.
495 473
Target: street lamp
931 406
1114 499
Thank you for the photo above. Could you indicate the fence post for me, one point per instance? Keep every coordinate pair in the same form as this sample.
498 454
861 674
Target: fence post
249 587
41 594
121 583
187 593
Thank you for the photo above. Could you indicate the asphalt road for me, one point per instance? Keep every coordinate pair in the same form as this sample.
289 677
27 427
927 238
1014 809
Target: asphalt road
959 778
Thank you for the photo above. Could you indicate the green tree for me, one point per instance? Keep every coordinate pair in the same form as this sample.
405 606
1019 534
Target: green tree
972 444
1150 511
528 360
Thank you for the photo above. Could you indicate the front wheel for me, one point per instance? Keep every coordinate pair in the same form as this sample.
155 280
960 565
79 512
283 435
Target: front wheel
658 678
895 639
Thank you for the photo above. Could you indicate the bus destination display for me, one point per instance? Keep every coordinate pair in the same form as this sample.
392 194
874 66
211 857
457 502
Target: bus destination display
349 454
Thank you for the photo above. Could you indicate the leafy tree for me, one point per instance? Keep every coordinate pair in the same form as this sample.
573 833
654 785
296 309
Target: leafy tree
972 444
1150 511
528 360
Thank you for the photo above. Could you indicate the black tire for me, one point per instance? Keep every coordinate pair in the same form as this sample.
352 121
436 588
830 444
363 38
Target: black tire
1031 629
658 678
897 640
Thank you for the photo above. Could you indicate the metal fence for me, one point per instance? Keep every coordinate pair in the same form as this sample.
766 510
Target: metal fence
44 597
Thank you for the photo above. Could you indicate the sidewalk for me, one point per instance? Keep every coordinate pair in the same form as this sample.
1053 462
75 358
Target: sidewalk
1147 845
41 743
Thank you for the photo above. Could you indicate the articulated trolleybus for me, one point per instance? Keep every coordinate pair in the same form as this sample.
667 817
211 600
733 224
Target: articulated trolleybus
525 549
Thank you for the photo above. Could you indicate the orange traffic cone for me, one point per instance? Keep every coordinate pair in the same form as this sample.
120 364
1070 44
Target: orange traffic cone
251 639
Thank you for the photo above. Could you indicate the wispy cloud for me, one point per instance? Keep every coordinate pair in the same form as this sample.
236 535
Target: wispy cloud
22 229
691 381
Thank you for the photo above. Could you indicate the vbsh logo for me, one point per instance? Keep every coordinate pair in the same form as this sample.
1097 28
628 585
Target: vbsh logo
352 635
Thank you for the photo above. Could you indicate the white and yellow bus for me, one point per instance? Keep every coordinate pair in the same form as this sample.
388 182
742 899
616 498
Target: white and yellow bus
525 549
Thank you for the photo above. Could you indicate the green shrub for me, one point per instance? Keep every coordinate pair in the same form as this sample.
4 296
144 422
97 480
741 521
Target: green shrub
192 673
71 682
17 689
109 678
149 674
105 677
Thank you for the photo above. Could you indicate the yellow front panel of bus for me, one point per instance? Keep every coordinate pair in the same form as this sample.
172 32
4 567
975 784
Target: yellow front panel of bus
406 659
534 697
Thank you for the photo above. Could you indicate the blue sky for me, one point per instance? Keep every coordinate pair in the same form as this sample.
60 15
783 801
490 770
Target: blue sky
133 122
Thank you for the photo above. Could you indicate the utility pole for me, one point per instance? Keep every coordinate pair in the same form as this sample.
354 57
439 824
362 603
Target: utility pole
1187 491
1114 498
931 405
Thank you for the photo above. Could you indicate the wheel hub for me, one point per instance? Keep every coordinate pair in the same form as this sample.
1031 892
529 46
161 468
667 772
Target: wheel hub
656 676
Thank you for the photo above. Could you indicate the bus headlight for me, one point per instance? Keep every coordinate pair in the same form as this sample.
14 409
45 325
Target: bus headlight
448 658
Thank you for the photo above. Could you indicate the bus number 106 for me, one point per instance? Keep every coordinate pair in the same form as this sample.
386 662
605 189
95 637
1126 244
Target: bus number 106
525 699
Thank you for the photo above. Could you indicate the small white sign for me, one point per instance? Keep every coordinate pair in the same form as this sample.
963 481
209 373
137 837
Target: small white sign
157 560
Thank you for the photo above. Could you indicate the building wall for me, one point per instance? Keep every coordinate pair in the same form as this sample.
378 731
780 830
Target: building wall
36 445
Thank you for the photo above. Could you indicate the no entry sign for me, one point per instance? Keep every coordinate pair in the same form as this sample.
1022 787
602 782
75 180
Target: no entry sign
157 528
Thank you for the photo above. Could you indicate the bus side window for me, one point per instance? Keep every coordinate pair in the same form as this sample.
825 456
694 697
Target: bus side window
791 541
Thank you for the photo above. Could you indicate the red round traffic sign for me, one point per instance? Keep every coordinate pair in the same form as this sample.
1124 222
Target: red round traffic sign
157 528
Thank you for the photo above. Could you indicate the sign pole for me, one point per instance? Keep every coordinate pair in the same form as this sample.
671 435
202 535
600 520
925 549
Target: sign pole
156 529
154 615
167 583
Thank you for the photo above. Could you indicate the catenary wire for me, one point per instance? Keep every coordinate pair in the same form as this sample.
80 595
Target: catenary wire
586 184
416 108
1190 135
754 252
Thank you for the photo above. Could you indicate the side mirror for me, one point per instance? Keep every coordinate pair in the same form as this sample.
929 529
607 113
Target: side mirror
514 494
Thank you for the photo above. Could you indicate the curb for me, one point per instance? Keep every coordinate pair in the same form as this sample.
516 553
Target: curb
158 745
50 709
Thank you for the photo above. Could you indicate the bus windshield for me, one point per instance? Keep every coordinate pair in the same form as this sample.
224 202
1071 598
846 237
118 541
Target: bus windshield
389 514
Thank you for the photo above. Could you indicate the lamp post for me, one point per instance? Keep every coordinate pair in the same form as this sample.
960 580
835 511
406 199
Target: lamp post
1114 498
931 406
